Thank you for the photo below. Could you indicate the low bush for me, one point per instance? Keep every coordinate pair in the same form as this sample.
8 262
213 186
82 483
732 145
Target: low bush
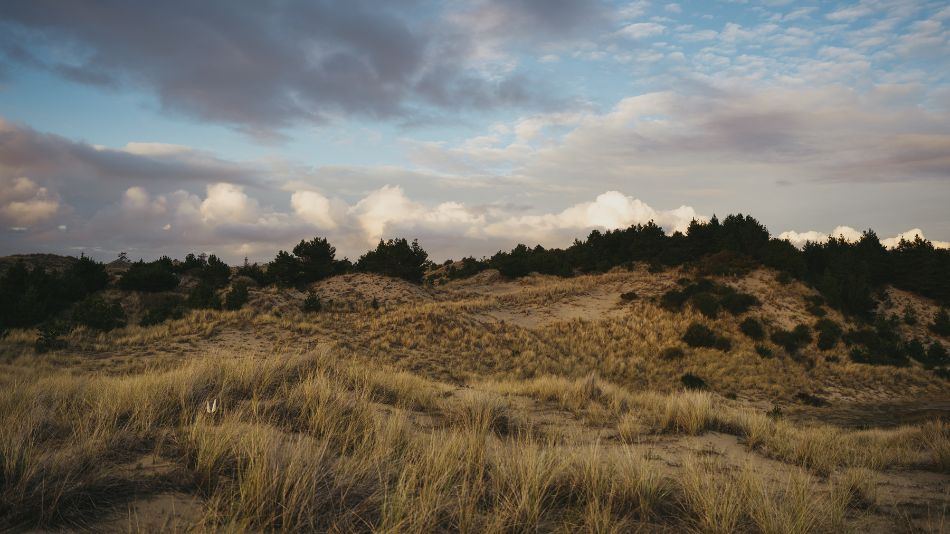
792 340
763 351
203 295
691 381
699 335
910 316
312 303
809 399
752 328
99 314
158 275
629 295
237 297
829 332
936 355
881 344
672 353
163 309
738 303
50 337
706 304
941 323
673 300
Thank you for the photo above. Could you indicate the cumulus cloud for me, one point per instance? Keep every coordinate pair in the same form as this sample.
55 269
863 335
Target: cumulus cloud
23 203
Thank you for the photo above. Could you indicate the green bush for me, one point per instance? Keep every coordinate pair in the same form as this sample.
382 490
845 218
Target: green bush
237 297
792 340
752 328
672 353
673 300
936 355
99 314
50 337
699 335
706 304
812 400
763 351
738 303
691 381
312 303
397 258
154 276
941 323
215 273
910 316
829 332
204 295
163 309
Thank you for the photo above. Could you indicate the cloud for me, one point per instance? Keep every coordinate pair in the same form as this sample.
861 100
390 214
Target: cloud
228 202
642 30
315 209
851 235
263 66
23 203
829 134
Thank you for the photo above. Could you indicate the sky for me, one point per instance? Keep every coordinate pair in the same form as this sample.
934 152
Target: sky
241 127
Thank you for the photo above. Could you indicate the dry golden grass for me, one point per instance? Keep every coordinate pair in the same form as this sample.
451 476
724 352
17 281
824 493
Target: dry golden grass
427 415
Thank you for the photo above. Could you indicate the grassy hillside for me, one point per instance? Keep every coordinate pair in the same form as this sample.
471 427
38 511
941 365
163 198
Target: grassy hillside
480 405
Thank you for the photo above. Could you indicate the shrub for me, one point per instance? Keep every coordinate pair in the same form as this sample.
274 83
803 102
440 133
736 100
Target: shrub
691 381
237 297
672 353
738 303
158 275
910 315
84 277
809 399
203 295
915 349
284 270
936 355
752 328
829 332
941 323
792 340
397 258
312 303
99 314
170 307
707 304
763 351
673 300
215 272
629 295
254 272
699 335
465 268
50 337
375 303
317 260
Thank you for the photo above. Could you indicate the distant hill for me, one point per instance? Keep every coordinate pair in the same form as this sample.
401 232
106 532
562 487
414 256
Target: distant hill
50 262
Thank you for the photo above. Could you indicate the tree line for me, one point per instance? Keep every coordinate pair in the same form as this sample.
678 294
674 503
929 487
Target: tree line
847 274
